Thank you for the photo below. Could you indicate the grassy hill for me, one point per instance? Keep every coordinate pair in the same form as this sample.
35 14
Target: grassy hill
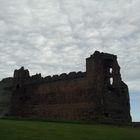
36 130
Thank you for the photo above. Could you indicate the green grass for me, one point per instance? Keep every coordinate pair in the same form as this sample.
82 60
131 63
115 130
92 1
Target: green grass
37 130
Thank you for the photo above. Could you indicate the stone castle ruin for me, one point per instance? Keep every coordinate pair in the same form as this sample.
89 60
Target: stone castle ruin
99 94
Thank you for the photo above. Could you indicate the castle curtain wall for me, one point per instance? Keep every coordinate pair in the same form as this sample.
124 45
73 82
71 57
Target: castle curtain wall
86 95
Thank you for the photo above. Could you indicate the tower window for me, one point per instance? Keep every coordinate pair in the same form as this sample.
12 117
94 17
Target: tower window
111 81
110 70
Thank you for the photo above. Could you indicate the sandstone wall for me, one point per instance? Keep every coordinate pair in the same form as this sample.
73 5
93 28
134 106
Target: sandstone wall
71 99
86 95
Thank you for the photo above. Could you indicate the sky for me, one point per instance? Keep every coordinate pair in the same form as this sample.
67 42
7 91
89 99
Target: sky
55 36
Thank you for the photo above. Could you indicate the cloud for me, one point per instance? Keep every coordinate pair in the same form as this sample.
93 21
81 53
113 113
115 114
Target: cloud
54 36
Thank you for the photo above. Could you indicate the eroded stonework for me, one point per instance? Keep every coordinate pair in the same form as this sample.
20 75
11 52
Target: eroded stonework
99 94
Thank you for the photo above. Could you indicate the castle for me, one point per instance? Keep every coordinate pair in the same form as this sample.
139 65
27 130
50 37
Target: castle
99 94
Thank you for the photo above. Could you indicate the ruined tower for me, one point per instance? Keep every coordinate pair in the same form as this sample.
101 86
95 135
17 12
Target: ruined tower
21 76
103 72
99 94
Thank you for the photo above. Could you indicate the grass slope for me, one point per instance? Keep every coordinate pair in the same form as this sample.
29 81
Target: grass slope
35 130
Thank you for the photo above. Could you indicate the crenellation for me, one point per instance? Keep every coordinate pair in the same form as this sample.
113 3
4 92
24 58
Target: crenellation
64 76
55 77
72 75
47 79
36 76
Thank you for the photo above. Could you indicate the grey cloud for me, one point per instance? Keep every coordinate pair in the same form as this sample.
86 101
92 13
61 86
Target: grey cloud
54 36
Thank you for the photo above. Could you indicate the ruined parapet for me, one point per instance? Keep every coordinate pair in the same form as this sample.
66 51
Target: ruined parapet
22 76
65 76
36 76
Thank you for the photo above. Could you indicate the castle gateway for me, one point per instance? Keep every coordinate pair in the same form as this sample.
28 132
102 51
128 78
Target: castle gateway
99 94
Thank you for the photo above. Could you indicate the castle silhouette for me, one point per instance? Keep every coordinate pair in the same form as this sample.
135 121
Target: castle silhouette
99 94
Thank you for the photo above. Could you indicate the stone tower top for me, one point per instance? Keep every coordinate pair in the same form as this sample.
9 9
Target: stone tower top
21 74
101 55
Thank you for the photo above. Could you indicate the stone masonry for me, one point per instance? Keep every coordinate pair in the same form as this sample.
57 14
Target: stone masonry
99 94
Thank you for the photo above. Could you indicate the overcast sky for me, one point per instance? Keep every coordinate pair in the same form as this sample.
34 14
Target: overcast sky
55 36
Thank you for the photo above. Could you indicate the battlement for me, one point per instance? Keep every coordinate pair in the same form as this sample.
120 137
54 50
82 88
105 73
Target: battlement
62 77
24 73
65 76
91 62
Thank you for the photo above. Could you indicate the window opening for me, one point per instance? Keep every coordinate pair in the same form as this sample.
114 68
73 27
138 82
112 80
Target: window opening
111 81
110 70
